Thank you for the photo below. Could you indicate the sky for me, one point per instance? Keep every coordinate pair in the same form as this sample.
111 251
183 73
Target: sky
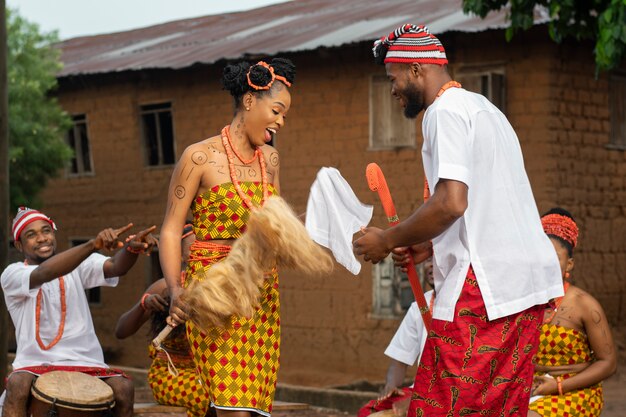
72 18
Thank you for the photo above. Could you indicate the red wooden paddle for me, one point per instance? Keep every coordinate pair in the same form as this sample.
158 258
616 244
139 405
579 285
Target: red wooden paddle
376 181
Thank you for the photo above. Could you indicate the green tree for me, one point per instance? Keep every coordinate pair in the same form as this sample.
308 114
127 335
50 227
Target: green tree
603 21
37 124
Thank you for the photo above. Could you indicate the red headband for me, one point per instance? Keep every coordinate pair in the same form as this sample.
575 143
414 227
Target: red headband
562 227
274 77
26 216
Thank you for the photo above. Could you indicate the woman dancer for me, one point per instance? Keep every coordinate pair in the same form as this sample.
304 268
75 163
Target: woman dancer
221 179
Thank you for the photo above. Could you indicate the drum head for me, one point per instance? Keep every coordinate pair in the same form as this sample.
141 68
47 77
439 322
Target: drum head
73 390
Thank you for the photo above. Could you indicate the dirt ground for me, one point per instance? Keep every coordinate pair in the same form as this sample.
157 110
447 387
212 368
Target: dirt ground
614 397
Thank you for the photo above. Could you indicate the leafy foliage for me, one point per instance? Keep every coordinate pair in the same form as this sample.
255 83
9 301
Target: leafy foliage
601 20
37 124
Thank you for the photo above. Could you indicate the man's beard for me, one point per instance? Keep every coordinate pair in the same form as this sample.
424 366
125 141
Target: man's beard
414 102
40 259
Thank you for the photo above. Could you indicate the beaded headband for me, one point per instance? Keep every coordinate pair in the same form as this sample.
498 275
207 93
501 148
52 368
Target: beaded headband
412 43
274 77
562 227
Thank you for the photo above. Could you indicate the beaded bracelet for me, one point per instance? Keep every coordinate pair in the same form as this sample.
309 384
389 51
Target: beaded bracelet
143 301
559 384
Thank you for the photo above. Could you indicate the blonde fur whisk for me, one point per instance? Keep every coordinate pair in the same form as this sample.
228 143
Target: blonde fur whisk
274 238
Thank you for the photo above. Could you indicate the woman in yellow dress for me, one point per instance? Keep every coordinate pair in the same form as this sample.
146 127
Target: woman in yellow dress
222 179
576 349
179 387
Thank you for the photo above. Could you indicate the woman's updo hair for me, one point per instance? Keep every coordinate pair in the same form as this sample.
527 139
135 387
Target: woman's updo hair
235 77
561 212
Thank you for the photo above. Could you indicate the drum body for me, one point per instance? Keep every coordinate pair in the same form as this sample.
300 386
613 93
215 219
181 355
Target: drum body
70 394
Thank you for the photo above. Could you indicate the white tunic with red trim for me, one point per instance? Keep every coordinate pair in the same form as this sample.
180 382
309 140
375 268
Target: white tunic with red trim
79 345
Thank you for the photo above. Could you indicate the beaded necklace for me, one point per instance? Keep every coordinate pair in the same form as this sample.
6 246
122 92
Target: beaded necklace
449 84
557 303
38 316
256 153
228 147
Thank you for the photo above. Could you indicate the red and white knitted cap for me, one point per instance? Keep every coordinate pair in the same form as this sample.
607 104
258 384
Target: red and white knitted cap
412 43
26 216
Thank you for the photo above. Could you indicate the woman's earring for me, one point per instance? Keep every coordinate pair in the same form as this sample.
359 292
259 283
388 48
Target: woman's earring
567 275
248 108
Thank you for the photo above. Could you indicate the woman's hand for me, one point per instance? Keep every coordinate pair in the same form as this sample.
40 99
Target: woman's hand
154 302
401 408
544 385
178 308
389 391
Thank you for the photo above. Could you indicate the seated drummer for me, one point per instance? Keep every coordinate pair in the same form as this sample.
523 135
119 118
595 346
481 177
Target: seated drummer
404 350
45 296
182 388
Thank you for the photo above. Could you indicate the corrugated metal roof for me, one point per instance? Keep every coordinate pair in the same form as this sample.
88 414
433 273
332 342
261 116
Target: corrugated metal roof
287 27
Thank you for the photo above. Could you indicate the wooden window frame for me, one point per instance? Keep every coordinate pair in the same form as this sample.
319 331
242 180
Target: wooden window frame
391 290
157 108
617 135
490 71
78 147
394 113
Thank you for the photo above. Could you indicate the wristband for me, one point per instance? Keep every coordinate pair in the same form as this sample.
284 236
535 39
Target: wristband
143 301
559 384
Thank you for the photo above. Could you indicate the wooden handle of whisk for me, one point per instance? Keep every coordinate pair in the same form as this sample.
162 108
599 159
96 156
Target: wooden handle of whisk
376 182
156 342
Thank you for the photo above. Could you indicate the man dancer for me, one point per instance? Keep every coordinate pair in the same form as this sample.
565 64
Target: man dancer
493 265
46 299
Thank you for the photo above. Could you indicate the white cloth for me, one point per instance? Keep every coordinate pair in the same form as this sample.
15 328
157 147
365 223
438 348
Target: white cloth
334 214
407 344
467 139
79 345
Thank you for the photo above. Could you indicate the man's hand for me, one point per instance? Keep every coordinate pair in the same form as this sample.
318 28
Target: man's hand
178 314
373 245
402 257
143 242
109 238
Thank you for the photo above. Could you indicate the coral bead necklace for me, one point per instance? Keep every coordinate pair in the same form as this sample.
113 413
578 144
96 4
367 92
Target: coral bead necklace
230 150
557 304
38 316
256 153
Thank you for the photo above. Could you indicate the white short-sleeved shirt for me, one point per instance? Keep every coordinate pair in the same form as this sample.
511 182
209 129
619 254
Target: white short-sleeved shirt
407 344
467 139
79 345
